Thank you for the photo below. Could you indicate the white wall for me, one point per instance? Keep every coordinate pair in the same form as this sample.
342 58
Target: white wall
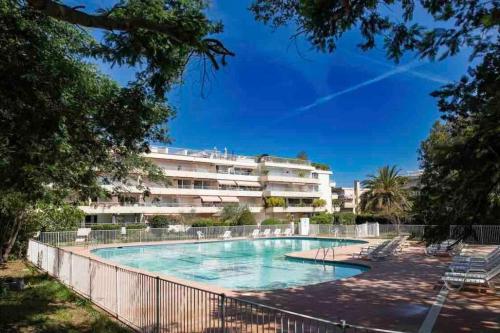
325 189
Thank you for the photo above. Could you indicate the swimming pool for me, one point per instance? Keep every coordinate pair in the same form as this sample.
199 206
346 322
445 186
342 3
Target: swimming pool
239 264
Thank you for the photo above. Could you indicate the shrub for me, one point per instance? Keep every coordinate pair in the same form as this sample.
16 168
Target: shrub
116 226
274 202
246 217
319 203
271 221
161 221
344 218
321 218
371 218
58 217
207 222
321 166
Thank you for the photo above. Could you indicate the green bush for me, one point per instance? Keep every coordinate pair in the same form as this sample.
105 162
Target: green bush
207 222
246 217
160 221
346 218
321 166
274 202
111 226
272 221
371 218
321 218
319 203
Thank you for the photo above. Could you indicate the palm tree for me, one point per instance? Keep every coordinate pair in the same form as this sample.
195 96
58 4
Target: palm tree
386 193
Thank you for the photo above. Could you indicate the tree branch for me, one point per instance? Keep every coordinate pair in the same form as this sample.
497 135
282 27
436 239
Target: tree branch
210 47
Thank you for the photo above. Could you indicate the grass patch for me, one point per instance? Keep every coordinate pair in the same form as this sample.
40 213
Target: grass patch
45 305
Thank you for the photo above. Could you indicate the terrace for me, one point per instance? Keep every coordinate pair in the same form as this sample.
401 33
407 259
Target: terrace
401 294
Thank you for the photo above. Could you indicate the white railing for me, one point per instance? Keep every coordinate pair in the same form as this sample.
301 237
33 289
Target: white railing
485 234
149 303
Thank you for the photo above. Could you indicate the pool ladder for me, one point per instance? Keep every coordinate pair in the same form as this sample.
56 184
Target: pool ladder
325 250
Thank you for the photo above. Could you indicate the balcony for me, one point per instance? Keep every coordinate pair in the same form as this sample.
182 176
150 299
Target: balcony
291 194
295 209
288 163
287 178
212 156
236 191
205 174
157 208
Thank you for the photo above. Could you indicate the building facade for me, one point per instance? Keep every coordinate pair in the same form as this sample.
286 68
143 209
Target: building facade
202 182
348 199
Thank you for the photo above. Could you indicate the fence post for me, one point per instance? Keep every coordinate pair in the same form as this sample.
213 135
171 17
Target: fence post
71 269
90 279
158 304
116 291
222 311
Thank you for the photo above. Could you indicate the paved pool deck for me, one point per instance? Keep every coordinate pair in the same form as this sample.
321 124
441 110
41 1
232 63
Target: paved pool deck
395 294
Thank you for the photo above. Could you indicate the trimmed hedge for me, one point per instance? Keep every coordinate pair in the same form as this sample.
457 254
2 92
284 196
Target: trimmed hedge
162 221
110 226
321 218
371 218
208 222
272 221
345 218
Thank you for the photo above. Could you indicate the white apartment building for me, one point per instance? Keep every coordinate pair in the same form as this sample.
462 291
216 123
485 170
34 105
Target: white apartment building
202 182
348 199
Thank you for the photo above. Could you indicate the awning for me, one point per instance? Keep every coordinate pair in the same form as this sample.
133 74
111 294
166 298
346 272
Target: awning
230 199
210 198
227 182
250 184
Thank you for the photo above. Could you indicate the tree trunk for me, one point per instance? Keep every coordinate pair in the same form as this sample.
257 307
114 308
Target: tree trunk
8 244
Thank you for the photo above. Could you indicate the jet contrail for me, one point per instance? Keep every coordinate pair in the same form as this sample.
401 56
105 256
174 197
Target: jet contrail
422 75
324 99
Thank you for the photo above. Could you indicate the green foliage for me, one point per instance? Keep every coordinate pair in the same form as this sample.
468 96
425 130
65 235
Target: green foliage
372 218
318 203
470 24
460 184
112 226
322 218
386 193
302 155
237 215
345 218
272 221
62 217
207 222
321 166
160 221
246 217
274 202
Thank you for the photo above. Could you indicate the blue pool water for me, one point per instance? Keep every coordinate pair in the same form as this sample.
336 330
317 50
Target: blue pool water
238 265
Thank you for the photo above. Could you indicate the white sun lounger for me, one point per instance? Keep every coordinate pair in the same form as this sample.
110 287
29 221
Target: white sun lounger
476 257
486 264
226 235
255 233
449 247
389 249
456 281
82 235
368 250
277 232
288 232
200 234
266 233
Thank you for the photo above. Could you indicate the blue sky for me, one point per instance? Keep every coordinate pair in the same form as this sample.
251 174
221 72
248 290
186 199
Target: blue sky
353 110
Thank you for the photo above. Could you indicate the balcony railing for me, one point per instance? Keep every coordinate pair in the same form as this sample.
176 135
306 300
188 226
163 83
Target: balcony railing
207 153
284 160
167 204
208 187
228 172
